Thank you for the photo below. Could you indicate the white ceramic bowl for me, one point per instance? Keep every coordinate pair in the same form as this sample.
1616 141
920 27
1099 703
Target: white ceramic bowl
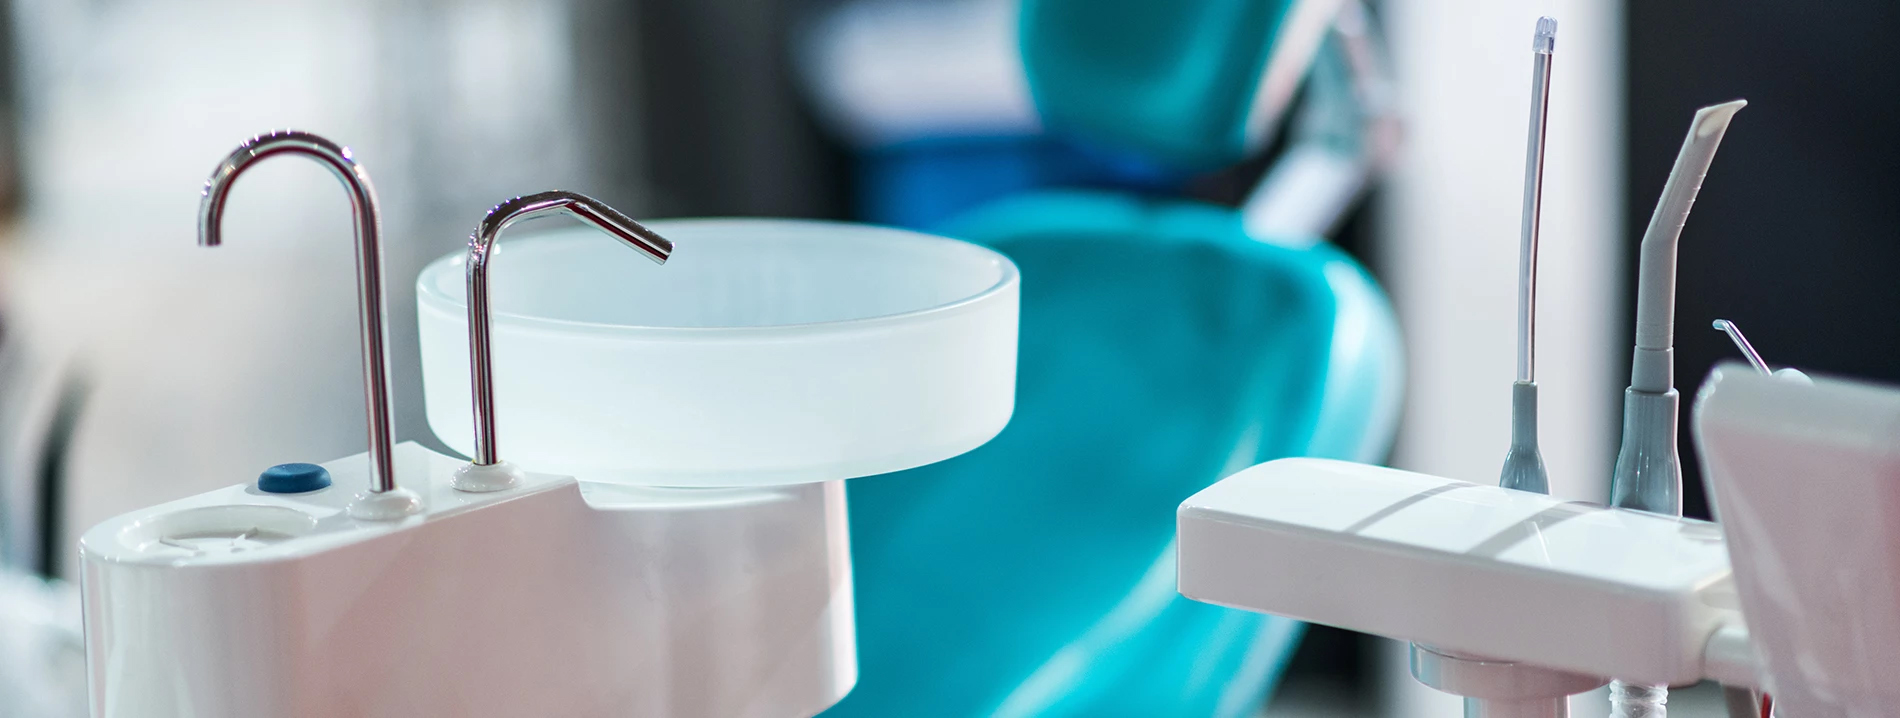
764 352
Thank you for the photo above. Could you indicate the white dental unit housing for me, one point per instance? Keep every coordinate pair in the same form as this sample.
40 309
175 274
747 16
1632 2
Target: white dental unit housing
1796 592
544 599
698 566
1516 600
1461 567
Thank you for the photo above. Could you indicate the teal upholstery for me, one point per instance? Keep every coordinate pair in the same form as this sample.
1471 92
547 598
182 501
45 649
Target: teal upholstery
1161 349
1173 80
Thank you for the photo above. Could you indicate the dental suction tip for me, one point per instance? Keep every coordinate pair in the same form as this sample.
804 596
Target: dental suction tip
1715 118
1546 38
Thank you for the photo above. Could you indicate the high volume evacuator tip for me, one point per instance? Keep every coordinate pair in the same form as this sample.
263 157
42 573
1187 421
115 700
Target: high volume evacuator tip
1648 474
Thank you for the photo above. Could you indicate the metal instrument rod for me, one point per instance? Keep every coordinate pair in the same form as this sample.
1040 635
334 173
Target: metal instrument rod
1741 342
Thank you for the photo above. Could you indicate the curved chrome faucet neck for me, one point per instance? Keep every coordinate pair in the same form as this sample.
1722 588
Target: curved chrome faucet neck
480 248
369 266
336 158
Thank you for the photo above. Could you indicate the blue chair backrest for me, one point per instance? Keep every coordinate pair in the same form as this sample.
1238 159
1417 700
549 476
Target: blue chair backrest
1161 349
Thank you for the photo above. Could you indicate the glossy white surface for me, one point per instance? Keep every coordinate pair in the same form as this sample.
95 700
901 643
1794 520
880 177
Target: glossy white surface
540 600
1806 480
1475 569
1531 690
763 352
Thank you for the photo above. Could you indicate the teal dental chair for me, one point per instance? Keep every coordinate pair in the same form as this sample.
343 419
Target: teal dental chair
1164 344
1161 349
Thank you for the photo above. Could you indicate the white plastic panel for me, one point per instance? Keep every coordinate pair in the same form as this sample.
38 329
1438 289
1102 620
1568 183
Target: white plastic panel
532 601
1477 569
1480 517
1806 480
1355 492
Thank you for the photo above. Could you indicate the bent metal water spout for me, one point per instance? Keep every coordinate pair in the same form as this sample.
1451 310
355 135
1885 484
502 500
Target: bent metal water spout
384 500
488 472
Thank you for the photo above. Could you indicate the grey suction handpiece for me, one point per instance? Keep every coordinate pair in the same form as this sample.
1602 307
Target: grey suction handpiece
1524 463
1648 474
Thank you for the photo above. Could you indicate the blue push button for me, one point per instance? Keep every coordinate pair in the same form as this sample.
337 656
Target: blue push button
293 479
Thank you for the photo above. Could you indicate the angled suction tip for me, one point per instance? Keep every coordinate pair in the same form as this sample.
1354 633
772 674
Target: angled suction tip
1652 370
1648 475
1714 119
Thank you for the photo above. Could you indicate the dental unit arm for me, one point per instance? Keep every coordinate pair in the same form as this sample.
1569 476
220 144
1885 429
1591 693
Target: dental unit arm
1502 584
1579 593
1517 600
1793 593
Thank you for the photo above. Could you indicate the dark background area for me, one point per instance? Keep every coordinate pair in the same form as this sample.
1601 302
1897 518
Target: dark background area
727 130
1794 234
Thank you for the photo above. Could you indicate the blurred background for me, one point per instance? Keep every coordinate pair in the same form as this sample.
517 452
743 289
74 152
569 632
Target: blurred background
137 368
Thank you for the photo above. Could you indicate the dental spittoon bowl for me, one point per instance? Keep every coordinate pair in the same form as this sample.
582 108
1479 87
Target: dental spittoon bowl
764 352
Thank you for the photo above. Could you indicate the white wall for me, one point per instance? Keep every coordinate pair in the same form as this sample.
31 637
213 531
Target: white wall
1449 244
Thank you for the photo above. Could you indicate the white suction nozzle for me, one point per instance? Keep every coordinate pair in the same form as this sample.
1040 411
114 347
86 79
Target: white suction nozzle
1648 473
1524 463
1545 41
1653 368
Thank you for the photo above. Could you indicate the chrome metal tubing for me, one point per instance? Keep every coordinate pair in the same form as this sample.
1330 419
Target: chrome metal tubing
369 266
481 244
